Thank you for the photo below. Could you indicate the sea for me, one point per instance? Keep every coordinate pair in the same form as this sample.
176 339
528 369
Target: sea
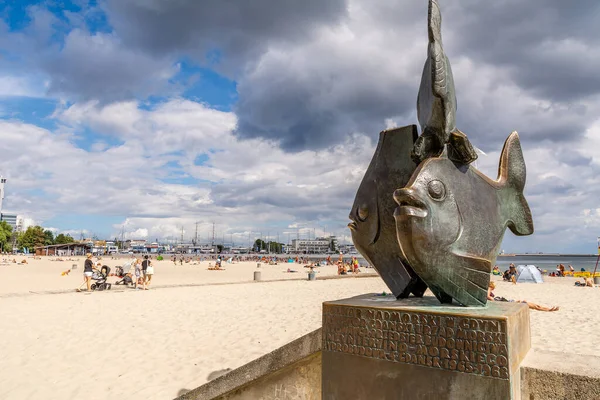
549 262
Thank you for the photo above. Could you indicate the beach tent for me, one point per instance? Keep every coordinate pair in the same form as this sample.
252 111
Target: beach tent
528 274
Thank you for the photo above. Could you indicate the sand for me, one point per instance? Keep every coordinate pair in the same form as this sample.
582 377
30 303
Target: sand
154 344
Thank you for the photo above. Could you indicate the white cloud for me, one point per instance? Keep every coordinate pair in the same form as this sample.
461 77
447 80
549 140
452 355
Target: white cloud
20 86
250 185
242 184
342 81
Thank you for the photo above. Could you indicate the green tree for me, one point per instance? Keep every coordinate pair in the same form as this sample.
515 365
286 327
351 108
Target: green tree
61 238
276 247
34 236
49 237
220 248
260 244
5 235
273 246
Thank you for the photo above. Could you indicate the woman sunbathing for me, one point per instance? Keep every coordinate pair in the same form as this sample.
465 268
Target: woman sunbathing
531 305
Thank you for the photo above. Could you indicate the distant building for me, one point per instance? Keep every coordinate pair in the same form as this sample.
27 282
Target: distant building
11 219
348 249
68 249
320 245
2 182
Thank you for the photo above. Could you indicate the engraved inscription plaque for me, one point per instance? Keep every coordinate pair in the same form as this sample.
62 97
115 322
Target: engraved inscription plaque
456 348
470 345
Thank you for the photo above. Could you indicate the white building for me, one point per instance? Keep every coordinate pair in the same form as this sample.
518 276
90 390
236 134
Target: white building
314 246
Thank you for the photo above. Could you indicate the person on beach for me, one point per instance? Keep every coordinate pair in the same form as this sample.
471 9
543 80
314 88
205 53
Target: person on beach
148 274
88 271
510 275
533 306
355 265
496 270
587 282
138 274
145 265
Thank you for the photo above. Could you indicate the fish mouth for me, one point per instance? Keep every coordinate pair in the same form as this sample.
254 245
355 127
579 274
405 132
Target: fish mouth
409 205
353 225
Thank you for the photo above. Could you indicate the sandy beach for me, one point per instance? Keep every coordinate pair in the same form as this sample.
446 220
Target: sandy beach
153 344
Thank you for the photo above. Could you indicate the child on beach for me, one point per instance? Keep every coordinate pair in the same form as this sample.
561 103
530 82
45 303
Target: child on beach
138 275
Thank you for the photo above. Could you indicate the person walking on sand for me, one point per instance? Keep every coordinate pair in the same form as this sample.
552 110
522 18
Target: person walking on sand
138 274
145 264
148 274
88 270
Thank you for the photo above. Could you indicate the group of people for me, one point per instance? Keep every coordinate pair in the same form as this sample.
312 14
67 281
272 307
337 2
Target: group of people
345 268
143 270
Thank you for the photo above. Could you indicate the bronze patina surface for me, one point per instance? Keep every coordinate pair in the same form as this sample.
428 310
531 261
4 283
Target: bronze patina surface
413 349
373 227
451 219
436 102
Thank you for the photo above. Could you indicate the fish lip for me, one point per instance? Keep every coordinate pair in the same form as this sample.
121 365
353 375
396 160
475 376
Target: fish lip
409 204
353 225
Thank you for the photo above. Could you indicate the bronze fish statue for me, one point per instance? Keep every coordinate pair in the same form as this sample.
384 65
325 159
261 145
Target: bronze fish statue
436 102
451 219
373 227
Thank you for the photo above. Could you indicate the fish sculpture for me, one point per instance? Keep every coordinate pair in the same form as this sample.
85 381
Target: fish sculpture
436 102
373 227
451 219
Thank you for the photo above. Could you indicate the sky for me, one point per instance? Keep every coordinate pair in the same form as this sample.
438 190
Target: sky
147 116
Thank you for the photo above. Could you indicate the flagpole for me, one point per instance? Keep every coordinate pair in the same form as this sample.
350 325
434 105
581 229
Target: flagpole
597 259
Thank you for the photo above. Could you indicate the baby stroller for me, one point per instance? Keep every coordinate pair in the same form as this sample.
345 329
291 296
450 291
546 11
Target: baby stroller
100 277
123 273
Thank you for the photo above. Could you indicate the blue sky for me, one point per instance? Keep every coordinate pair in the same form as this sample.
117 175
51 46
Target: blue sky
146 117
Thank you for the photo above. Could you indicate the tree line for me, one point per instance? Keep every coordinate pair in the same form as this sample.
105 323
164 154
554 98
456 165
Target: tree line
272 247
34 236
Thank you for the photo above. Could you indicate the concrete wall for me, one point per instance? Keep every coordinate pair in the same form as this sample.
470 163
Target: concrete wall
547 375
293 372
301 381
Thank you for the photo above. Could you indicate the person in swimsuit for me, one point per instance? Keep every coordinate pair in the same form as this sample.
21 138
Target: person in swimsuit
531 305
88 270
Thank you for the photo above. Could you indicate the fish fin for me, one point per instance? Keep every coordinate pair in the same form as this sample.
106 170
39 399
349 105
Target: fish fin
427 145
460 148
468 280
511 175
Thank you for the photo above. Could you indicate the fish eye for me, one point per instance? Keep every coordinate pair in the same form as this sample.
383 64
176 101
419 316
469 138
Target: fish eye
362 213
436 189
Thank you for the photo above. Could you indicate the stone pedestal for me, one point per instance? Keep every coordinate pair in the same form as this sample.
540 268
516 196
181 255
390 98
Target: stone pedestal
377 347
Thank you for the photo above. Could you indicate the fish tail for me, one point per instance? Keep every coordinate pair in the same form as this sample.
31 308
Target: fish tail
511 176
434 22
437 58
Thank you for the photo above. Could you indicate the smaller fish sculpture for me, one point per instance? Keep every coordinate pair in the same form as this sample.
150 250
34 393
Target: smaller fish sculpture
373 227
451 219
436 102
